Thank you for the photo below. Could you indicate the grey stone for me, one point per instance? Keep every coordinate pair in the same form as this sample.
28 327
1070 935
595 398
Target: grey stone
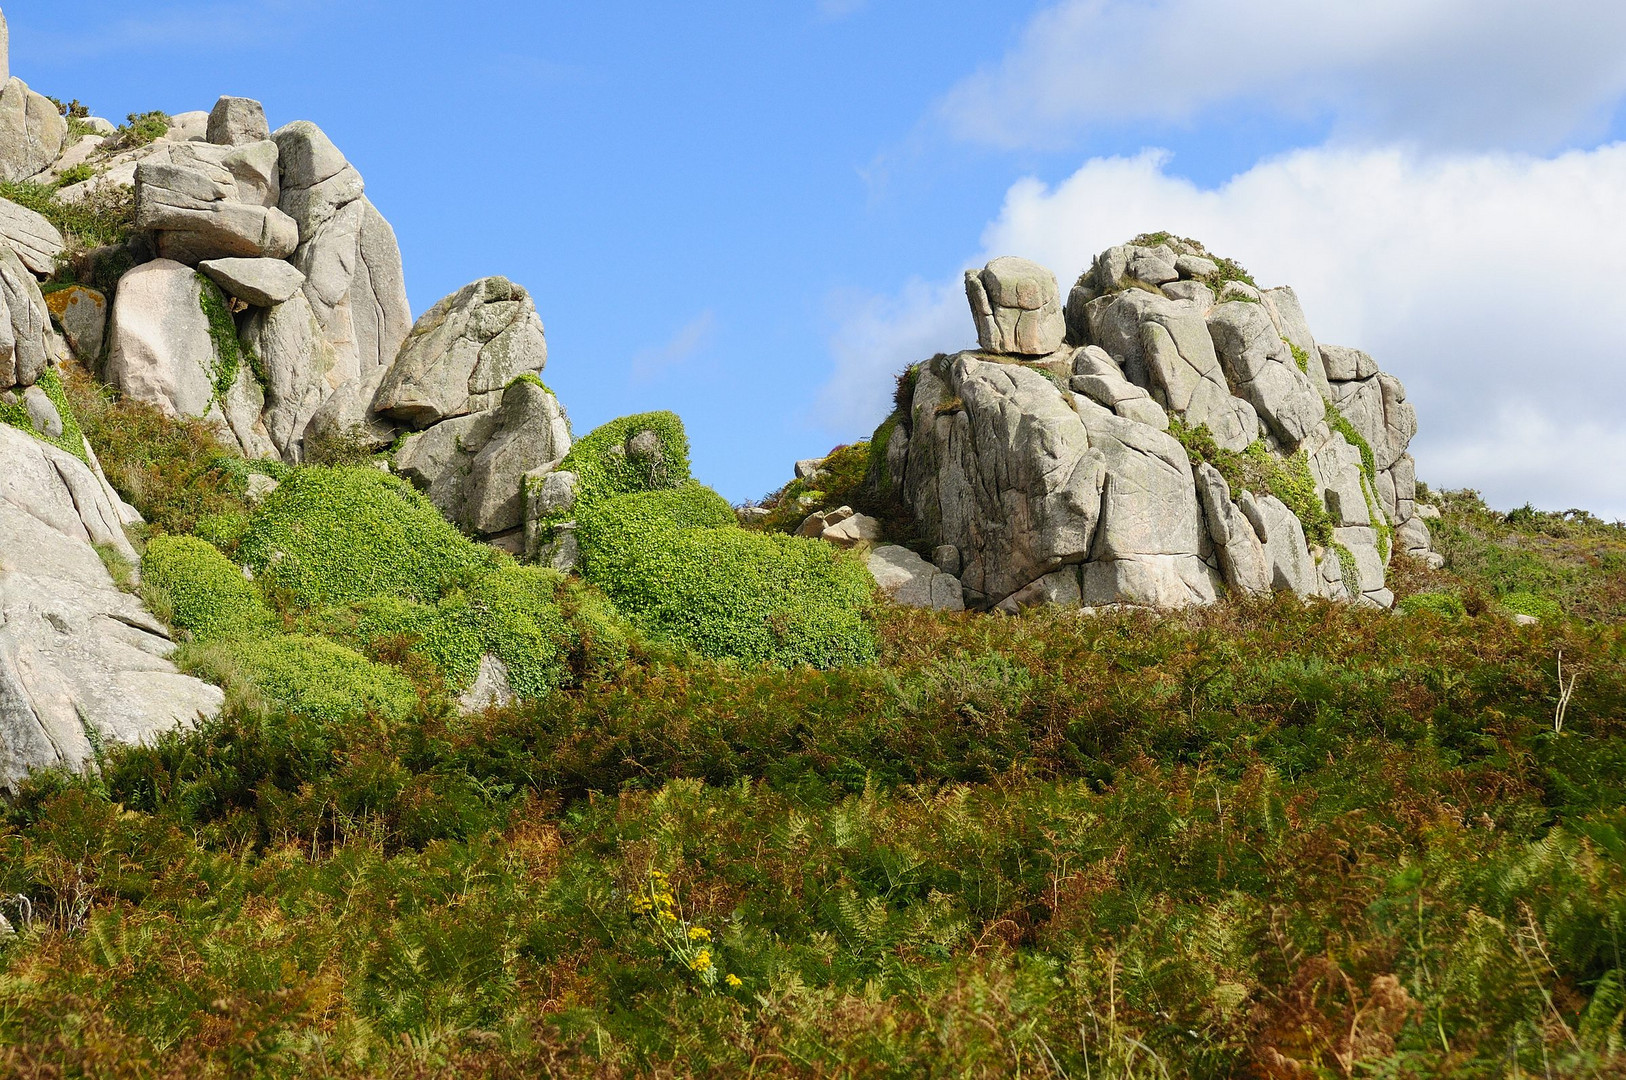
162 353
1399 421
1241 550
42 413
852 530
1007 477
1292 568
1195 266
1059 588
946 557
32 131
1362 543
355 283
82 314
438 460
911 581
561 550
1412 536
491 688
5 50
1428 511
1379 598
192 126
260 282
25 323
1525 620
549 494
1344 364
210 202
35 240
1191 292
1287 315
302 371
1016 307
236 120
462 352
1260 367
79 659
1238 290
346 416
807 467
259 486
532 432
317 181
1154 266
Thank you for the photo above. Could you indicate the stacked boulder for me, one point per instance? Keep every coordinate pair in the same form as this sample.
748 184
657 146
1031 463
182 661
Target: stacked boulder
1055 462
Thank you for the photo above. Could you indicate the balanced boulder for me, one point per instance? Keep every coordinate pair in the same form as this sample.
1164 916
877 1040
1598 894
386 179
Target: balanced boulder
1016 307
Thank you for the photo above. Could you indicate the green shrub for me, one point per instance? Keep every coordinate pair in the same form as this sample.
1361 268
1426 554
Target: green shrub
303 674
1533 604
204 594
336 536
139 129
72 438
510 613
104 216
1444 603
679 568
605 468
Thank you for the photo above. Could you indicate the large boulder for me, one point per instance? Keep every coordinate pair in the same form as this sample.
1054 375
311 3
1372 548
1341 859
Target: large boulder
1260 367
1000 466
1292 567
35 240
347 251
257 282
162 352
81 663
25 324
235 121
463 353
1016 307
473 467
212 202
82 313
302 370
911 581
32 131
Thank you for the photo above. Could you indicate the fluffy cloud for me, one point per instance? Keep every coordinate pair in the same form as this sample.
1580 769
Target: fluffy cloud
1491 284
1466 73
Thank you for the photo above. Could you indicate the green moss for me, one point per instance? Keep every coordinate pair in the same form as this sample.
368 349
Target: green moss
676 565
231 352
340 535
1350 568
1532 604
1257 469
877 475
306 675
1340 423
72 438
1300 357
605 468
200 590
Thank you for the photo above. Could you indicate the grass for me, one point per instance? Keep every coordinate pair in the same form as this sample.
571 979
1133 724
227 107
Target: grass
1267 838
105 216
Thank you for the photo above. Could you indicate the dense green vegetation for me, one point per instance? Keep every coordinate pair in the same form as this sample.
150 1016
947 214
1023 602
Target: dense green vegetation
1265 839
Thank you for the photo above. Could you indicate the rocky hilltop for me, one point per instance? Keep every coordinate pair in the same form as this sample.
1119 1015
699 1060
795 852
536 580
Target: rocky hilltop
1168 434
1165 434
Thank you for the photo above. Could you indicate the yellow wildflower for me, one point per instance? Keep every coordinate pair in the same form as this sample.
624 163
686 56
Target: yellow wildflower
699 933
702 960
734 981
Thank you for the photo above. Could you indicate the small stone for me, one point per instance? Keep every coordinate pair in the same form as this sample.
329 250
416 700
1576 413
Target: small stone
259 486
82 314
807 467
750 515
491 688
1428 511
852 530
42 413
1526 620
946 557
260 282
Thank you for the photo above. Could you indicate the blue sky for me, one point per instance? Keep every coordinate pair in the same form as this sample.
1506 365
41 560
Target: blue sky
753 213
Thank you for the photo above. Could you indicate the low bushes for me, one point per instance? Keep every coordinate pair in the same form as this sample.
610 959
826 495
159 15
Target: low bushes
199 590
304 675
336 536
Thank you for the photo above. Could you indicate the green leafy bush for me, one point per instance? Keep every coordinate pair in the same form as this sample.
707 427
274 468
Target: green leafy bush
605 466
201 591
1532 604
72 438
336 536
679 568
303 674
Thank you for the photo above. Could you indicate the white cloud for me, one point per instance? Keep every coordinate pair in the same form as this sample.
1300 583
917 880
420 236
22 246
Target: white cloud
650 364
1479 73
1493 285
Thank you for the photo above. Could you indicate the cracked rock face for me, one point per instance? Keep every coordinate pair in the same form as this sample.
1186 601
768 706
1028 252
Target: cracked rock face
1071 488
32 131
462 353
215 202
80 662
